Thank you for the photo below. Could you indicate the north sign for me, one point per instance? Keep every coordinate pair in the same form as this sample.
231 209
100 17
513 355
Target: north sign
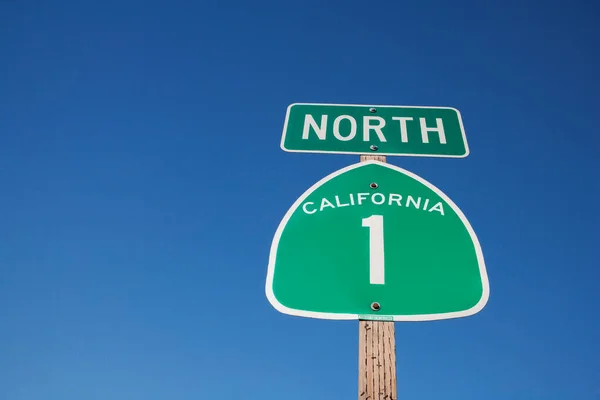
382 130
375 233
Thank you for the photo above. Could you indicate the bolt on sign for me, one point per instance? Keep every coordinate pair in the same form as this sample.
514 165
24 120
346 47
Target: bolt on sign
374 241
383 130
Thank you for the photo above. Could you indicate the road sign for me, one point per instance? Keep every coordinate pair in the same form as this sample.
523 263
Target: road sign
374 241
382 130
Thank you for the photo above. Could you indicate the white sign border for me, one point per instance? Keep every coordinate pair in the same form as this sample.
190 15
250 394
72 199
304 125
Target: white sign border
341 316
287 116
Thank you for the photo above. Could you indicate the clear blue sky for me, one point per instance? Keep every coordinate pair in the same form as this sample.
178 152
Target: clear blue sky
142 181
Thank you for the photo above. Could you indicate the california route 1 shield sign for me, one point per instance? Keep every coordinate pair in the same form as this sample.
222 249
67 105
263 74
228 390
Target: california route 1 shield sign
374 241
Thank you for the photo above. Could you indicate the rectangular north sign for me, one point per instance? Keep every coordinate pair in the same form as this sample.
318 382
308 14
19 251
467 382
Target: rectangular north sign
383 130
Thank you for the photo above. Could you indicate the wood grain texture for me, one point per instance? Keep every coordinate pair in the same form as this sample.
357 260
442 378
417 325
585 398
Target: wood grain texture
377 361
376 351
366 157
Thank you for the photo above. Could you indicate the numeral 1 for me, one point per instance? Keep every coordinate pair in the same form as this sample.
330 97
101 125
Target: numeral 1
376 254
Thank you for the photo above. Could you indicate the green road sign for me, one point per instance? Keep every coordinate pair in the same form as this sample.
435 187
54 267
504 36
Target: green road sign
383 130
375 233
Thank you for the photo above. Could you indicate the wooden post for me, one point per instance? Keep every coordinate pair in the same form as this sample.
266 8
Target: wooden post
376 352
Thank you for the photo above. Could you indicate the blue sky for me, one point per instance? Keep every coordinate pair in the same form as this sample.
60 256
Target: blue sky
142 182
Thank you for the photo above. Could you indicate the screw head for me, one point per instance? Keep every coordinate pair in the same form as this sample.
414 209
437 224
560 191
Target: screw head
373 147
372 109
373 185
375 306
